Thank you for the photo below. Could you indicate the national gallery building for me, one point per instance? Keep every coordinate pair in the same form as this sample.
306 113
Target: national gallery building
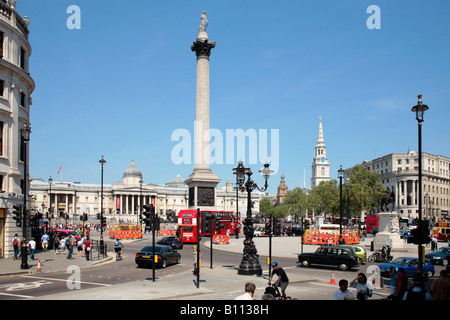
122 200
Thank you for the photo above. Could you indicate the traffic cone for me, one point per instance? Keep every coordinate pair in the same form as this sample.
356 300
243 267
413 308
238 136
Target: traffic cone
39 267
332 281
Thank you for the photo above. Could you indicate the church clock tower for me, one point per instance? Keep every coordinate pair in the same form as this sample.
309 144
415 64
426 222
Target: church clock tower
320 165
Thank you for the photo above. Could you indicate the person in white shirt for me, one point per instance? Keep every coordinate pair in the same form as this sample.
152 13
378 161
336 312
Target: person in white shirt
32 245
249 292
343 291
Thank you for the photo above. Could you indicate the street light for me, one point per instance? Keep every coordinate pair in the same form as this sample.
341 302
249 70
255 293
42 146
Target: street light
250 264
50 181
102 162
240 177
25 132
141 182
419 110
340 175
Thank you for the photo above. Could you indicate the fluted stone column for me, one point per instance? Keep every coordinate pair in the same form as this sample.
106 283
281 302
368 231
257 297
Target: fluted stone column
202 182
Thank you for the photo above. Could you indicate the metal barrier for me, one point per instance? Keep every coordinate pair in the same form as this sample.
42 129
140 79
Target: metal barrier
96 250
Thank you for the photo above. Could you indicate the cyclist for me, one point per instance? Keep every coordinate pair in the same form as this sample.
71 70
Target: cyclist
118 249
282 280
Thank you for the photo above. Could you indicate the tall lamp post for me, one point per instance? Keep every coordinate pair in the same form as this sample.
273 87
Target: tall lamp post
26 131
419 110
340 175
250 264
141 182
102 162
50 181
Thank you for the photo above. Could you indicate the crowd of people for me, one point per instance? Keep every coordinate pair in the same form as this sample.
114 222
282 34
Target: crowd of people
62 238
399 286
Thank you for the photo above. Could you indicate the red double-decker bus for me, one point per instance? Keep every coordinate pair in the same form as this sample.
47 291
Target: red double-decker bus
187 226
371 222
224 222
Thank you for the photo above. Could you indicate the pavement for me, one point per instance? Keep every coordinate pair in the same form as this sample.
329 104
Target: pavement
221 281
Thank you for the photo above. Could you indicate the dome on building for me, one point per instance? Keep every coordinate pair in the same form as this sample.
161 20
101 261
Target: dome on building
177 182
132 174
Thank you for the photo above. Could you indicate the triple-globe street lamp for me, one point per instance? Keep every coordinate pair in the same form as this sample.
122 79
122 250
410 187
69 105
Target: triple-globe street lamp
250 264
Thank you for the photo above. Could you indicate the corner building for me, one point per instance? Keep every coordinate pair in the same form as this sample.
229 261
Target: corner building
16 87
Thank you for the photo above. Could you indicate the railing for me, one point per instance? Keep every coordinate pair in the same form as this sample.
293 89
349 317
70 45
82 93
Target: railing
96 250
7 12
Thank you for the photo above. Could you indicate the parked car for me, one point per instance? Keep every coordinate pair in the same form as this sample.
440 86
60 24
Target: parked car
294 231
410 266
440 256
404 234
343 257
174 242
165 256
359 250
259 232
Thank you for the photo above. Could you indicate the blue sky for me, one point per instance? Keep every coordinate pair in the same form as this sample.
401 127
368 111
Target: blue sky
123 83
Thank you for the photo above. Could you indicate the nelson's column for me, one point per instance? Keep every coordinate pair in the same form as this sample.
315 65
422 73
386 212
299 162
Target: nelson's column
202 182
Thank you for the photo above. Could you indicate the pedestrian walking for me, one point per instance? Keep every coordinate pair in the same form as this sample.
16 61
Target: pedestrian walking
87 248
249 292
364 289
393 281
32 246
70 244
44 240
343 292
440 288
62 244
80 247
56 244
15 245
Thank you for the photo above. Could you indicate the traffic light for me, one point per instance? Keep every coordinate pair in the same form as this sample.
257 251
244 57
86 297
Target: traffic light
421 234
99 216
207 219
149 211
17 215
103 222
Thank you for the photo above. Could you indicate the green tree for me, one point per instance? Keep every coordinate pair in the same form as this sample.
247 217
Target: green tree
365 189
282 211
266 207
326 194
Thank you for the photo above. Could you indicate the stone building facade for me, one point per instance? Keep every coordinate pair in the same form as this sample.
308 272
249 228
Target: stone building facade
123 200
16 87
399 173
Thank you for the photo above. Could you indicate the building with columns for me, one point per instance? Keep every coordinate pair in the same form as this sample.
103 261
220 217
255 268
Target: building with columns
16 87
123 199
321 165
399 173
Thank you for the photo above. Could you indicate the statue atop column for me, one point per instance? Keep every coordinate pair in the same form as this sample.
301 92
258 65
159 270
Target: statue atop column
204 23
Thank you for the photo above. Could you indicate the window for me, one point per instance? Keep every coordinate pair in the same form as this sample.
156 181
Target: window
2 87
1 44
23 97
22 58
1 138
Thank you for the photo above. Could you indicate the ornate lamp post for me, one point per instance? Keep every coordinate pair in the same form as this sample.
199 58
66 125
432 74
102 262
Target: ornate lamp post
419 110
250 264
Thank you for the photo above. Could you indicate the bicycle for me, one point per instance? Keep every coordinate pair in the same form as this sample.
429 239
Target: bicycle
272 290
119 254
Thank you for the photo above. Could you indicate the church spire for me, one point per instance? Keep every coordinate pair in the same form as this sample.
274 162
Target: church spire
320 166
320 140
